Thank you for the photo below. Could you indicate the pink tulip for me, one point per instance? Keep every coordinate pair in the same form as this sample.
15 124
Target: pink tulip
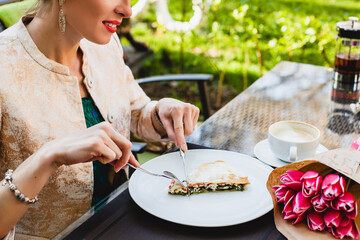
292 179
333 186
355 230
356 145
300 218
319 203
328 230
283 193
345 221
301 204
349 230
288 211
332 218
346 203
311 183
315 221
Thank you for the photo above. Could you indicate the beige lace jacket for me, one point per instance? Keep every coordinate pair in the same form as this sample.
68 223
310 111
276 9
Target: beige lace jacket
40 101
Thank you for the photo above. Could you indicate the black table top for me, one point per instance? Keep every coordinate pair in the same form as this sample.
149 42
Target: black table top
122 218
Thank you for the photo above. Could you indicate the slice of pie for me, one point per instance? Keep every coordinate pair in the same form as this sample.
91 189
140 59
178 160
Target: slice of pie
211 177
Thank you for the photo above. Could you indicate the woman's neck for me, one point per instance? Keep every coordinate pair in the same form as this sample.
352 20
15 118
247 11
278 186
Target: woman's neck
55 45
60 47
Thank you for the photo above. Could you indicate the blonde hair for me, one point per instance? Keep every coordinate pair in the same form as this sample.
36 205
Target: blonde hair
38 6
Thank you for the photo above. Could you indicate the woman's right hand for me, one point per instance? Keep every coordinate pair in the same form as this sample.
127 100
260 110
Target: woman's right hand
100 142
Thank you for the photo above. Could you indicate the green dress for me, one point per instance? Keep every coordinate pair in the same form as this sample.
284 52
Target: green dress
102 185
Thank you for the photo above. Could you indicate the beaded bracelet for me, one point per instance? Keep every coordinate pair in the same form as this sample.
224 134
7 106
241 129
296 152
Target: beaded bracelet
13 188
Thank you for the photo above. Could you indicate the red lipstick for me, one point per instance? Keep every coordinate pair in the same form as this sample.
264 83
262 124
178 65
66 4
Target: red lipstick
111 25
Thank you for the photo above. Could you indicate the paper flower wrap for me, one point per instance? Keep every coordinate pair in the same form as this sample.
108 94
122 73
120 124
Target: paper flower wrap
313 195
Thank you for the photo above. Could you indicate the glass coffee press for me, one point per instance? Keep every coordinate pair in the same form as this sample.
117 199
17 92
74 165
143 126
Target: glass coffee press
344 112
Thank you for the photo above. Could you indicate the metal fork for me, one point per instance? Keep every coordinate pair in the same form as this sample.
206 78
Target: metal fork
182 155
166 174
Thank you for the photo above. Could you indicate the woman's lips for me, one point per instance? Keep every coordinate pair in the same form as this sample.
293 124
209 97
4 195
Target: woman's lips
111 25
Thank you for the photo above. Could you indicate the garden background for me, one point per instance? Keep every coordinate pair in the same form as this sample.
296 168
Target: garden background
238 41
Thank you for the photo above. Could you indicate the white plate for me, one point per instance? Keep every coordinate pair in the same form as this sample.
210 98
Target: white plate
263 152
215 209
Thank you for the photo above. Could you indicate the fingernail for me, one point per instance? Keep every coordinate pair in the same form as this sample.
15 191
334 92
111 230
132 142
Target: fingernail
184 147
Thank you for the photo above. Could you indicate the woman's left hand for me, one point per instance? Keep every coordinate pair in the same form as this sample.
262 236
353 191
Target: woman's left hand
179 119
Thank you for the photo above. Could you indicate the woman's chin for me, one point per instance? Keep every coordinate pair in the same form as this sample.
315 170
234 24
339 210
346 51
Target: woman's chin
100 40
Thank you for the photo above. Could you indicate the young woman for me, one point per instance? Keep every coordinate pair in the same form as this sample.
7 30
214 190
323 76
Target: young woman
67 105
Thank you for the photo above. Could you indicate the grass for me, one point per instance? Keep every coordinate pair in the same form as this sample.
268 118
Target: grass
243 39
11 13
146 156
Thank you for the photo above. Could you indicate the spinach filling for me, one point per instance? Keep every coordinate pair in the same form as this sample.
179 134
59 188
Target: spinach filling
201 189
223 187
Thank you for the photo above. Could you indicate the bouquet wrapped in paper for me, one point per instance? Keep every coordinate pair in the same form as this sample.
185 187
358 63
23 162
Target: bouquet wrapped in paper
317 199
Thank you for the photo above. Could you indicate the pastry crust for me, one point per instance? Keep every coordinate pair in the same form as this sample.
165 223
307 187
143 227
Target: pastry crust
211 177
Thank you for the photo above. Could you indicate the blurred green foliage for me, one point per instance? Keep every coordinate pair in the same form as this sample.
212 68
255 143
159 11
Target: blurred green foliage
244 38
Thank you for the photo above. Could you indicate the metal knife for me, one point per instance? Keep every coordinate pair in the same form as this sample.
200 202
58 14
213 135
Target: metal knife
182 154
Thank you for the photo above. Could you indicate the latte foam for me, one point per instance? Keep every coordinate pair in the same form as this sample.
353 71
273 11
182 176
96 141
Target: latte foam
293 133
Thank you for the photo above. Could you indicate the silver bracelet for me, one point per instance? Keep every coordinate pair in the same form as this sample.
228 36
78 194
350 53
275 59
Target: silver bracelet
13 188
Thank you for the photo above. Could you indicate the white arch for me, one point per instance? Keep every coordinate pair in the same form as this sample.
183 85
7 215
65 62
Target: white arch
138 7
164 18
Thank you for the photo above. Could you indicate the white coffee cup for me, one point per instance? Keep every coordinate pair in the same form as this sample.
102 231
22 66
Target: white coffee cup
293 140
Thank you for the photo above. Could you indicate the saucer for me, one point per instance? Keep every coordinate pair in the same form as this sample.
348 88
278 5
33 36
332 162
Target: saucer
263 152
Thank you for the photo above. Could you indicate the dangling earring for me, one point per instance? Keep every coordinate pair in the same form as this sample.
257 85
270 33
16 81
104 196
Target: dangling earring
62 21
